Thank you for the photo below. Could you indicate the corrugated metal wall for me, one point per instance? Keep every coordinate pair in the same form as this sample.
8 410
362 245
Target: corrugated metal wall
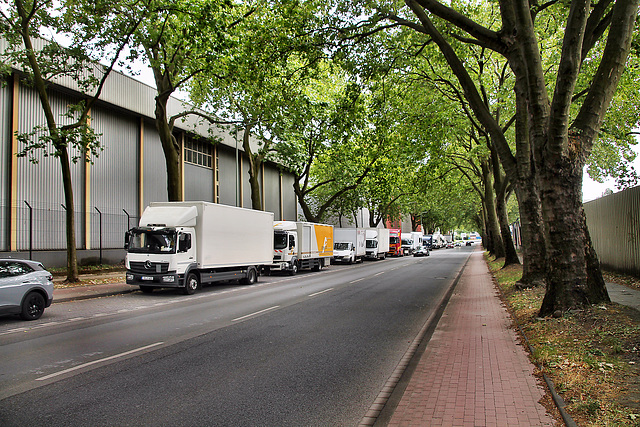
198 183
246 187
40 184
272 190
155 169
614 225
227 175
289 198
113 177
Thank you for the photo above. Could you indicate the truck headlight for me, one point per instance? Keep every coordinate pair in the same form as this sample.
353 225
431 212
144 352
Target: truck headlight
129 276
168 278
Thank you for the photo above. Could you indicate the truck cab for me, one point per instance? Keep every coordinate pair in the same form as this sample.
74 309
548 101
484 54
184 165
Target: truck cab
159 256
285 250
344 252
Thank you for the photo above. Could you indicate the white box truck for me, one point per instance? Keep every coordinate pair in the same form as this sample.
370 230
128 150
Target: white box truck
186 244
411 242
300 245
377 243
349 244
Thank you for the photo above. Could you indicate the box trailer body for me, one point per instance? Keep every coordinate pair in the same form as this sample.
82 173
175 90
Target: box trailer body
349 244
410 242
300 245
186 244
377 243
395 242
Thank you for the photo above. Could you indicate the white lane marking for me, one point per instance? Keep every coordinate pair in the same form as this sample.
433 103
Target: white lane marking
382 272
321 292
357 280
115 356
256 313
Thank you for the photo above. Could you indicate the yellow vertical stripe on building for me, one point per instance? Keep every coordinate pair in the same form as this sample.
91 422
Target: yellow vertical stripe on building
13 185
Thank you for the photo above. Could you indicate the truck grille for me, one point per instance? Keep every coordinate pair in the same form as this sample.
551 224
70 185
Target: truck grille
148 267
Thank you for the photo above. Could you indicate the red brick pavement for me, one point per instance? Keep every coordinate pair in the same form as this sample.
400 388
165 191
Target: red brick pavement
473 372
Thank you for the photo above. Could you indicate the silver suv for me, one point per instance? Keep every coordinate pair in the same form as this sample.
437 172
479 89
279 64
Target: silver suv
26 288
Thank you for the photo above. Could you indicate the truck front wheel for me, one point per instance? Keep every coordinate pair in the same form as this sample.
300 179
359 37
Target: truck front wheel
192 284
294 268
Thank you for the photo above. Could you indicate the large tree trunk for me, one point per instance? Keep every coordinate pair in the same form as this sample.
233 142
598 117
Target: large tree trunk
255 162
493 228
170 147
570 259
72 263
510 253
533 244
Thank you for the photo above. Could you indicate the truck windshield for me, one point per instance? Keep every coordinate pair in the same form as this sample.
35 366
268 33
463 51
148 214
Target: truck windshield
341 246
280 240
394 240
407 242
152 241
371 244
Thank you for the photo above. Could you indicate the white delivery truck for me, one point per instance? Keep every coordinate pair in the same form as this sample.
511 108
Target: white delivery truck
300 245
349 244
186 244
411 242
377 243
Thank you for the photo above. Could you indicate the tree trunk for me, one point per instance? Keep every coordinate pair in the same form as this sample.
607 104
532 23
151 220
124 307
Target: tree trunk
170 147
510 253
255 161
533 243
493 229
72 263
574 279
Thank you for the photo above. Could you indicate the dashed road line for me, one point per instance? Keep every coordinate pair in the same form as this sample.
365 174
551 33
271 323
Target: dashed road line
256 313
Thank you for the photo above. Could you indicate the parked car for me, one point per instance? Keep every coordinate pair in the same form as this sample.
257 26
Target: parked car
26 288
421 251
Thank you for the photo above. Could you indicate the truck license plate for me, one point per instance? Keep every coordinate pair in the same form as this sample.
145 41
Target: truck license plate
147 278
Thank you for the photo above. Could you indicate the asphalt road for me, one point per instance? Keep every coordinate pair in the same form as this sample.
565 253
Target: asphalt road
311 350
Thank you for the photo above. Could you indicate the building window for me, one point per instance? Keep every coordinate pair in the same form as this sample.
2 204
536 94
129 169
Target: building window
198 153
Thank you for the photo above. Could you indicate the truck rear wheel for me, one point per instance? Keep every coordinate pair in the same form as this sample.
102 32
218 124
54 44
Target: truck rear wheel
192 284
252 277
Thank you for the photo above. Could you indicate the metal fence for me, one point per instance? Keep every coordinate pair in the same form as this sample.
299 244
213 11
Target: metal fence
614 225
38 228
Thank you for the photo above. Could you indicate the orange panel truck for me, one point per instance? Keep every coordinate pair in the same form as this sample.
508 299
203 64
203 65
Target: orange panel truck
395 242
301 245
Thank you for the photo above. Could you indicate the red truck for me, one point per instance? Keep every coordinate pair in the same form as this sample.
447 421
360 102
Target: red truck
395 242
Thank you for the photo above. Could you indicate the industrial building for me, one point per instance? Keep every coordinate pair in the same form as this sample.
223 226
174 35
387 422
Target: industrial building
112 190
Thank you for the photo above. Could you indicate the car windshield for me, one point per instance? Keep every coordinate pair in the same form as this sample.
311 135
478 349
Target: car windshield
341 246
280 240
153 241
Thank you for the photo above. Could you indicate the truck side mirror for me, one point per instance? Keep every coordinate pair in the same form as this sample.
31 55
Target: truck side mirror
127 236
185 243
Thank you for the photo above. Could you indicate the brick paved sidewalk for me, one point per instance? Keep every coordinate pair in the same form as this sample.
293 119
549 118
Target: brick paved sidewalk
473 371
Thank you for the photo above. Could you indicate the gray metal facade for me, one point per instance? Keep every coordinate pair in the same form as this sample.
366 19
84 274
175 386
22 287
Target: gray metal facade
289 201
128 174
614 225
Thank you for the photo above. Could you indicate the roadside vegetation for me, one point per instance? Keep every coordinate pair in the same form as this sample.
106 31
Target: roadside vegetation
592 355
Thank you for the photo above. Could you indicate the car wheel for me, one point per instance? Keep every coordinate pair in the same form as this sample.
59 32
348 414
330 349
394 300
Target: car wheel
192 284
32 306
146 289
251 278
